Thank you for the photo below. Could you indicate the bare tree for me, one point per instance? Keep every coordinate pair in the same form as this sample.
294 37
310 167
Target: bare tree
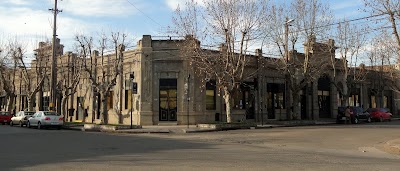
7 74
236 25
102 74
308 20
391 8
349 41
71 73
32 78
383 69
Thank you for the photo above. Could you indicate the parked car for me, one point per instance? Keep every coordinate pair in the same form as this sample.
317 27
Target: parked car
21 118
5 117
358 115
380 114
44 119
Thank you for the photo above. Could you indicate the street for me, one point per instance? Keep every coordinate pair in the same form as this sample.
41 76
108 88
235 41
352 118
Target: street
324 147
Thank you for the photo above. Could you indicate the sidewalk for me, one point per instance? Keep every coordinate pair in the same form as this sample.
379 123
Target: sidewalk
392 146
200 127
197 128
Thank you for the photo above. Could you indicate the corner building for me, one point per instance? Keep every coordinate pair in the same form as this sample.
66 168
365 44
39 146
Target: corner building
163 88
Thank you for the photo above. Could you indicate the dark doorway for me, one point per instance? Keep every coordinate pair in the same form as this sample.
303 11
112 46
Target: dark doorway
275 101
168 100
248 99
324 99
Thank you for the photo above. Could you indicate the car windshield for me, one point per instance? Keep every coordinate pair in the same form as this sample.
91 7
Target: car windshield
383 110
372 110
51 114
3 113
358 109
342 109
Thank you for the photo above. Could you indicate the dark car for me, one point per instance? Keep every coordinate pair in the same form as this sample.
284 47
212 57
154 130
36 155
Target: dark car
5 117
358 115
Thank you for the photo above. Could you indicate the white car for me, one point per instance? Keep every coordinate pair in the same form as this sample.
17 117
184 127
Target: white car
43 119
21 118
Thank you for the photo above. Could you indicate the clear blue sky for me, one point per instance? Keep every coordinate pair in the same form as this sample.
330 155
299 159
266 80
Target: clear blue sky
30 19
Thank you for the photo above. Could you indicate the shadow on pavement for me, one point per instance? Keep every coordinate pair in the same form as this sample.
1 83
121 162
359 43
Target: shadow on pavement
22 147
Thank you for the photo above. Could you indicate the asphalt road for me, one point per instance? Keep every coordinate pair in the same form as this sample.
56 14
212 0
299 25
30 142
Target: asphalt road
329 147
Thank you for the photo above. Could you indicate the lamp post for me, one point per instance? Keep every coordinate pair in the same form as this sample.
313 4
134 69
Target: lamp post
132 77
188 98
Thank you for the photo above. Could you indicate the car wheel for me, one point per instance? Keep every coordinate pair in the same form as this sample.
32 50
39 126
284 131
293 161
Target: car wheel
28 124
39 125
369 120
20 124
355 120
11 123
381 119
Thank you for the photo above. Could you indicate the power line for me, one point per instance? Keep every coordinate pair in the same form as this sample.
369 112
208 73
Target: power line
144 13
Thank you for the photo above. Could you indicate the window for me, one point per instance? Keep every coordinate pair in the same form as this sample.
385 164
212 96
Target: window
128 93
354 100
385 101
373 102
237 100
128 99
276 96
110 100
243 98
51 114
210 95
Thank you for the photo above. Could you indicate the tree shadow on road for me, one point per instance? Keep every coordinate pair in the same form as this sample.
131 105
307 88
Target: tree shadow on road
39 147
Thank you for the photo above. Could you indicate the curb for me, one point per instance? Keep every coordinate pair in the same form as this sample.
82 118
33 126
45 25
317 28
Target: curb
164 131
201 130
73 128
136 131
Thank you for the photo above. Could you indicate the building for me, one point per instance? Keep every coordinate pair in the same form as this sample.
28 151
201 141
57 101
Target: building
160 74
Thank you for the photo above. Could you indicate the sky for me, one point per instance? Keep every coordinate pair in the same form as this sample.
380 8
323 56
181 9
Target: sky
32 21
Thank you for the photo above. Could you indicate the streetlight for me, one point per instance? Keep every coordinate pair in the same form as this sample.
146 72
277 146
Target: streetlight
132 77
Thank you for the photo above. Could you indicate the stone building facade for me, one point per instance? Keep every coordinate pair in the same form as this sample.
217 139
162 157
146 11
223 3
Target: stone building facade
165 93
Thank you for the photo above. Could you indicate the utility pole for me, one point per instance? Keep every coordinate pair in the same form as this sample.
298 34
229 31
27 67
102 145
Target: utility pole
188 99
287 76
53 79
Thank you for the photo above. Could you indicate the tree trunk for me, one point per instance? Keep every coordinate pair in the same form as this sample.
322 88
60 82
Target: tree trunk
64 110
295 105
30 104
10 104
345 93
227 98
288 104
104 110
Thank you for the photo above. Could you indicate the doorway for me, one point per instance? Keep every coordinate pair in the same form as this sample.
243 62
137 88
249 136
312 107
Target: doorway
324 100
168 100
